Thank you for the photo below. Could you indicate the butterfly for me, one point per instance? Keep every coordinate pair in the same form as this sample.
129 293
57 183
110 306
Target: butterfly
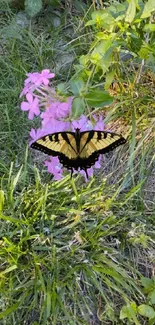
78 150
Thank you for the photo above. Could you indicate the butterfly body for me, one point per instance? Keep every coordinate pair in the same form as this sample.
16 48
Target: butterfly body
78 149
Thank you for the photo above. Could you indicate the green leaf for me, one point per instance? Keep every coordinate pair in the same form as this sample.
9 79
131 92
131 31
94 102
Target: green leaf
90 23
124 312
80 6
148 8
147 284
106 61
53 3
102 47
61 88
152 297
131 11
33 7
98 98
78 106
118 8
136 42
151 321
145 51
129 311
102 18
149 28
146 311
77 86
109 79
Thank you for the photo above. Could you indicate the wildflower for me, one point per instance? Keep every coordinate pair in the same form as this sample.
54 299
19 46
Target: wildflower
36 134
54 167
84 124
64 108
40 96
97 164
39 78
32 78
57 110
32 105
35 80
27 89
99 123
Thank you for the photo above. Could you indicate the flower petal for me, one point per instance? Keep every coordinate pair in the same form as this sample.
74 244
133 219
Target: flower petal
29 98
25 106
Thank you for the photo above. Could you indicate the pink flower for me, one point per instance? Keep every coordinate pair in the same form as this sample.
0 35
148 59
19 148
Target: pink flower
56 110
63 108
89 172
37 134
36 79
52 125
32 78
39 78
84 124
27 89
54 167
99 124
97 164
47 116
32 105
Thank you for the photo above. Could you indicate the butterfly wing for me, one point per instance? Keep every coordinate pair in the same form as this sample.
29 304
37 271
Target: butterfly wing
94 143
61 144
78 150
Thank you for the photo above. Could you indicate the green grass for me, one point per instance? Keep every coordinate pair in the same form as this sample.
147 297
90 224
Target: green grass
65 253
73 253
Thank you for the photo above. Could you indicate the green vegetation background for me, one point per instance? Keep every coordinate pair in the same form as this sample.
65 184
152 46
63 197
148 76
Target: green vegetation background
74 253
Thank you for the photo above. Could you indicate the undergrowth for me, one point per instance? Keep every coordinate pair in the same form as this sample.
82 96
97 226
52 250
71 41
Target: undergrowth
75 253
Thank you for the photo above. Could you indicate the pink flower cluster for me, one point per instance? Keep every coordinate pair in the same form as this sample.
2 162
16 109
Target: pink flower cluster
41 99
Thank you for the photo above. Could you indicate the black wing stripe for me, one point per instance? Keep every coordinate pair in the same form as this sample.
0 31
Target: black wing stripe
65 137
46 150
90 136
112 146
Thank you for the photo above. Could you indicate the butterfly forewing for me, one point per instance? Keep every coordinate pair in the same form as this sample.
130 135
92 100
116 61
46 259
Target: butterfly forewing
87 146
69 148
98 141
57 143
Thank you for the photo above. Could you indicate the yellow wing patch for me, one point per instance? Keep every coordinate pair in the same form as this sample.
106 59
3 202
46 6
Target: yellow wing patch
97 143
60 145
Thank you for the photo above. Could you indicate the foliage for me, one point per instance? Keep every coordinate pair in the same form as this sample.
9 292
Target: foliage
79 253
33 7
61 243
131 310
118 29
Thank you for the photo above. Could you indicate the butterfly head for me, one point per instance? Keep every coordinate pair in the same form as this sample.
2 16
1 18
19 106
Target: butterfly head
77 131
